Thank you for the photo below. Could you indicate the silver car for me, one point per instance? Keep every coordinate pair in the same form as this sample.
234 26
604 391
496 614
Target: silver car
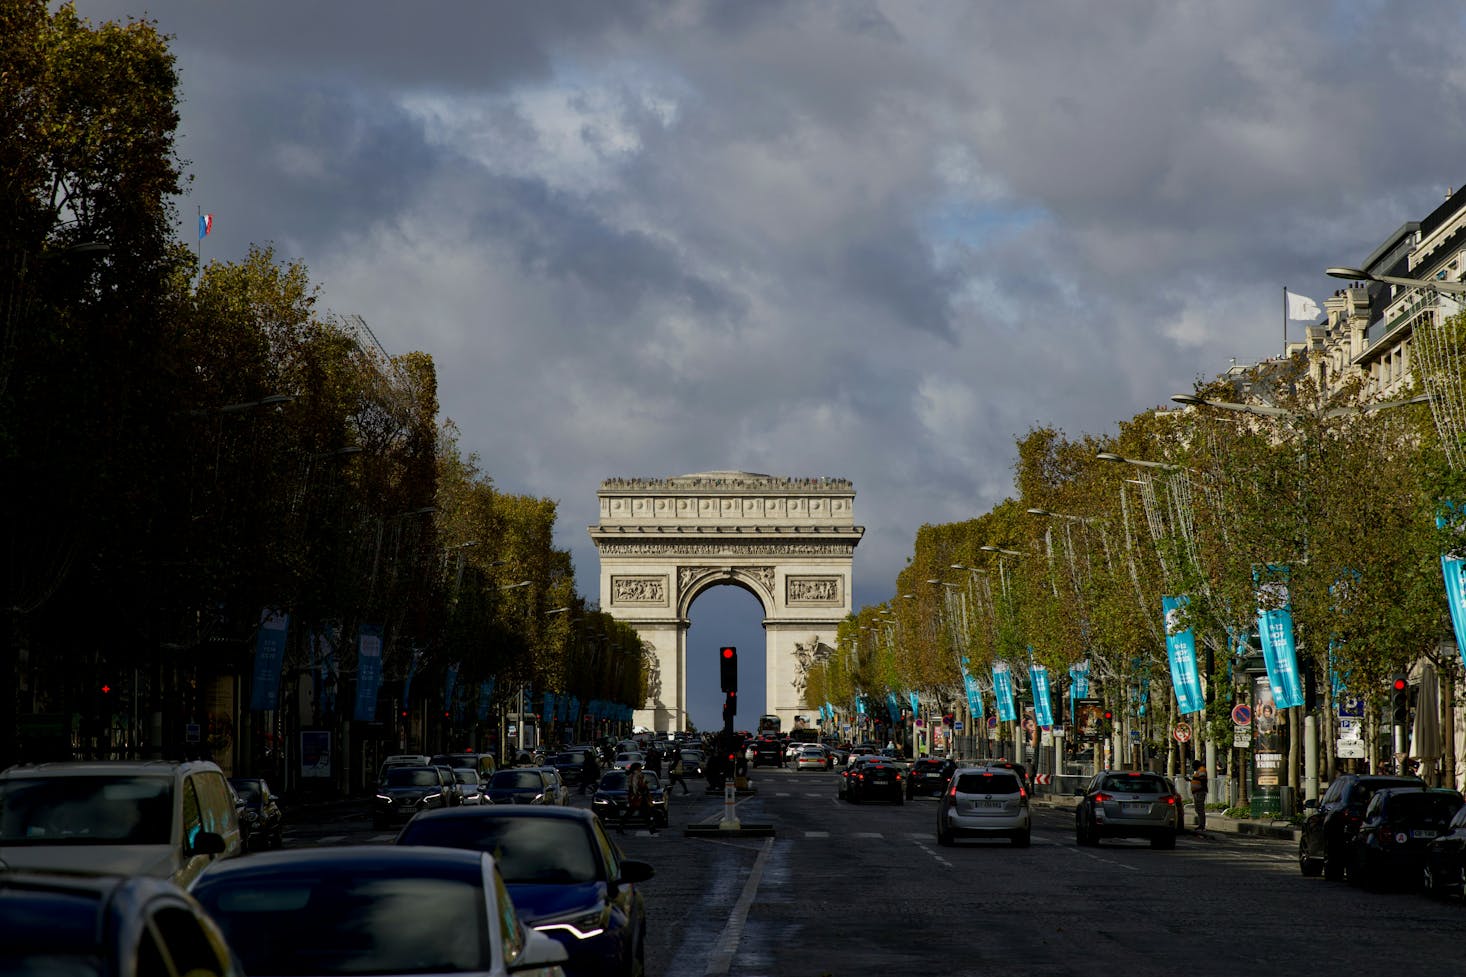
984 802
1129 804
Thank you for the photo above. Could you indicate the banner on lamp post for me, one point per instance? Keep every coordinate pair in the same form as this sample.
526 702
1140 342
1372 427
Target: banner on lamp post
1003 693
269 657
974 696
1275 630
1043 709
1181 650
368 673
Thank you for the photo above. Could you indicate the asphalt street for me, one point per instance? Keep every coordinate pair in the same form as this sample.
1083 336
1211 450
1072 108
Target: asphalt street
864 889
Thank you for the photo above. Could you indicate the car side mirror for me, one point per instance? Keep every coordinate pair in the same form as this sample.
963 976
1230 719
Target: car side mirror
1311 804
206 843
634 871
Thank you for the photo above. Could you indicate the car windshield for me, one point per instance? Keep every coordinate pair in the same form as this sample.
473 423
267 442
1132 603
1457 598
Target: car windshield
1421 807
466 775
616 780
1136 784
507 779
413 777
987 783
527 849
248 790
288 926
86 810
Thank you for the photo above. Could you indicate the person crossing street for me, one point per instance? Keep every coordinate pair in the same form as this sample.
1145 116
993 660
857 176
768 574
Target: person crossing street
1199 785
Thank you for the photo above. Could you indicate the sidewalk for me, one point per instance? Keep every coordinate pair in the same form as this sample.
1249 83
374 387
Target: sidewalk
1216 821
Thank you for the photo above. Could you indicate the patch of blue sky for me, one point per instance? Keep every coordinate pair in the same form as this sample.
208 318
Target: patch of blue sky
977 225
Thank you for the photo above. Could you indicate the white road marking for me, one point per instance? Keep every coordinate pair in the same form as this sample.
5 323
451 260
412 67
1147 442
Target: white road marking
867 834
721 959
816 834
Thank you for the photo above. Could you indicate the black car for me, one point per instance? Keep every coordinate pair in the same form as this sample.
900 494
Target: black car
518 785
261 822
570 764
105 926
874 780
1398 827
768 751
1444 870
609 800
407 790
929 777
1330 823
566 877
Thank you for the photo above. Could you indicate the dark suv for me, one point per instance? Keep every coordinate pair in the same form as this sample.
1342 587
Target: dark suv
929 777
1330 822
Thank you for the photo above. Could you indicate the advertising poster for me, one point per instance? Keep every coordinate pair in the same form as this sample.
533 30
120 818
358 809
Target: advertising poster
315 754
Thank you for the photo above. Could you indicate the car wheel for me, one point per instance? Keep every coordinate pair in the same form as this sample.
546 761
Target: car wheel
1022 839
1433 881
1310 867
945 838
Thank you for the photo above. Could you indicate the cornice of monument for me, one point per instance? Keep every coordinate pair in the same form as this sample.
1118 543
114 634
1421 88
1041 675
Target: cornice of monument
726 482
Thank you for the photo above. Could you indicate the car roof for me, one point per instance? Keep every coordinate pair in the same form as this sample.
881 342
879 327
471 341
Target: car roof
366 860
506 811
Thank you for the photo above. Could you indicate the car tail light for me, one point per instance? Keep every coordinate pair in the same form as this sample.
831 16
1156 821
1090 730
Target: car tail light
953 792
1171 799
1101 798
1022 793
898 776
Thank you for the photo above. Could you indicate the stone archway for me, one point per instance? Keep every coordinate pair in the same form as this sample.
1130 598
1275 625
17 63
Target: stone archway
788 541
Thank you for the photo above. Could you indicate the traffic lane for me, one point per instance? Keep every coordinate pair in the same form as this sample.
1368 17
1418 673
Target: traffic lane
855 888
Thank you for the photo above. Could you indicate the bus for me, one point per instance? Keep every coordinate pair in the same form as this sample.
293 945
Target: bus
769 724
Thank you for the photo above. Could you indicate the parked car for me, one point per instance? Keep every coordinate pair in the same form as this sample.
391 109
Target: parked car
984 801
609 801
1398 826
518 785
567 878
1444 871
406 791
153 817
1129 804
378 909
929 777
874 780
262 823
105 926
1330 823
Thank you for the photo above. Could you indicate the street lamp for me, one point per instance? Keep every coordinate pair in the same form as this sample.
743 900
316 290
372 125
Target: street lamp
1122 460
1359 274
1265 410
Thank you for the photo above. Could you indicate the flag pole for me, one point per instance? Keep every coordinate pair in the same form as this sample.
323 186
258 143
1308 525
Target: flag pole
199 210
1285 322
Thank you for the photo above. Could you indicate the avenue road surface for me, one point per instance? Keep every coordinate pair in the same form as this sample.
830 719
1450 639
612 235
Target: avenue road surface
848 889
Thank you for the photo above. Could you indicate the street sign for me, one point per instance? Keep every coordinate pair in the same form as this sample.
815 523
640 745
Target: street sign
1242 714
1351 729
1182 732
1349 749
1351 706
191 732
957 725
992 722
1242 736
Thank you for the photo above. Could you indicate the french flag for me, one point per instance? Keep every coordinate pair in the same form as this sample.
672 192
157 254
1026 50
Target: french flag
206 224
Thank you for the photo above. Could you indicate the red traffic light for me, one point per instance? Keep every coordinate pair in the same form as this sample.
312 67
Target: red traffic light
106 688
1109 715
1400 684
727 652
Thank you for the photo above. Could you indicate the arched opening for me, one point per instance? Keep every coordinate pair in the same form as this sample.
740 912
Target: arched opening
725 615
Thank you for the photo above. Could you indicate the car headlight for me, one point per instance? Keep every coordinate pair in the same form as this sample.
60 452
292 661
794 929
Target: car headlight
582 926
383 798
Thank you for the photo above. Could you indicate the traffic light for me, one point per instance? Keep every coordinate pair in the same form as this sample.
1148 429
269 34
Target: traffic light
728 669
1400 699
730 706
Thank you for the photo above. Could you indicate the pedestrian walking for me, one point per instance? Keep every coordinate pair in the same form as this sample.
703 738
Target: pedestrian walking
590 772
638 800
654 761
674 774
1199 784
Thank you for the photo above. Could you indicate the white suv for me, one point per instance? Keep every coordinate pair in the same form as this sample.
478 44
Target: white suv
159 818
984 801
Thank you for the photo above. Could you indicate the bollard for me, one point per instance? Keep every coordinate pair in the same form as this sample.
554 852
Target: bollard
730 810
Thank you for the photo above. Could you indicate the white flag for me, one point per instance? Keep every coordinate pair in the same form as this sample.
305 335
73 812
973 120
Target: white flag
1302 307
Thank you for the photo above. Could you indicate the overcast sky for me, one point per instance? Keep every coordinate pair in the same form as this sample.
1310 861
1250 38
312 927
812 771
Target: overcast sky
870 240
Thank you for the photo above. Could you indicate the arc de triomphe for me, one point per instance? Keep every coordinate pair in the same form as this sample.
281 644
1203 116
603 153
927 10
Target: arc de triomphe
788 541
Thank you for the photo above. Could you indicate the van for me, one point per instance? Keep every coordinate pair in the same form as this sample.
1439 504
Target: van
158 818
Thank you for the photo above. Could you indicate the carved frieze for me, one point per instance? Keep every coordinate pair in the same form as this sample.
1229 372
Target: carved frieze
687 575
639 590
730 548
813 590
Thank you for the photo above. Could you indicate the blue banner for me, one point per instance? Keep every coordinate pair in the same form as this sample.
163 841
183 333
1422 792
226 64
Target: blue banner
859 706
485 699
368 672
915 705
1181 650
1003 693
1453 567
269 657
893 708
974 696
1275 629
1043 707
1079 680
